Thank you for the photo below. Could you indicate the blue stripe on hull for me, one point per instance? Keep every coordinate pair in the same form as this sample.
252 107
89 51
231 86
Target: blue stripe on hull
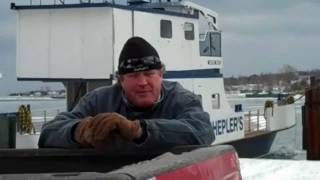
198 73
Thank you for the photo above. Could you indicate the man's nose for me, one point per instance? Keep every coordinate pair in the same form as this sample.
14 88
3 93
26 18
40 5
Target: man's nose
142 80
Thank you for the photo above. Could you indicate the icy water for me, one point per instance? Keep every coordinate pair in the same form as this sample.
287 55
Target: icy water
42 110
287 144
37 106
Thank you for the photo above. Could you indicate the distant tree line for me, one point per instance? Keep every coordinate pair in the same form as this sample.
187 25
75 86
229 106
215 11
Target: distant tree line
288 78
42 92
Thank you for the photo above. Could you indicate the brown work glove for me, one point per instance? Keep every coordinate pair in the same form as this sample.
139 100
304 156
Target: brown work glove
129 130
96 131
106 123
82 133
102 127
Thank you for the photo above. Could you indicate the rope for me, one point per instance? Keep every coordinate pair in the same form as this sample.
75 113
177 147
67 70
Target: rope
25 124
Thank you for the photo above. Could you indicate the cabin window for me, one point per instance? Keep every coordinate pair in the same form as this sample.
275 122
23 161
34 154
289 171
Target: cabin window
215 100
205 46
165 29
211 46
188 31
215 44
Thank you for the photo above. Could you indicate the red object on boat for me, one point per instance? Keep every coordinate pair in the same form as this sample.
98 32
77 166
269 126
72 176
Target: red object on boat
223 166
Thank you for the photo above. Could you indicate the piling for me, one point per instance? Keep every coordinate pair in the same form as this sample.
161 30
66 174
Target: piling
304 128
312 123
77 89
8 130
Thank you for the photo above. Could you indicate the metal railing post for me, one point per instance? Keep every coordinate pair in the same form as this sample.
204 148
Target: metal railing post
45 116
258 116
249 121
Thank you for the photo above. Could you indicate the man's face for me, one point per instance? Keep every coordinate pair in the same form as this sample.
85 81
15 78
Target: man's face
143 88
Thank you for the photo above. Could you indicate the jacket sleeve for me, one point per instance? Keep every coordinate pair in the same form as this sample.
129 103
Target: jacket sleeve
190 127
59 131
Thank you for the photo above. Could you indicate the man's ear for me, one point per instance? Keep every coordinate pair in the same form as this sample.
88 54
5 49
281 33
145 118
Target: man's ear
119 79
162 71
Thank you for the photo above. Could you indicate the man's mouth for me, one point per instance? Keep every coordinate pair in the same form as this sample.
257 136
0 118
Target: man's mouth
143 92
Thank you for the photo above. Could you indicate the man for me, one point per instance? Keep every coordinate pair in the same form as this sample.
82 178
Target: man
141 111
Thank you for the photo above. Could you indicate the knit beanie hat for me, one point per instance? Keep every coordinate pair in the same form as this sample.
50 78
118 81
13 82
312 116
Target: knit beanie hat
138 55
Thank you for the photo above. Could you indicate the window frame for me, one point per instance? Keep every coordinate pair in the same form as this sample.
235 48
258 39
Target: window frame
166 29
188 35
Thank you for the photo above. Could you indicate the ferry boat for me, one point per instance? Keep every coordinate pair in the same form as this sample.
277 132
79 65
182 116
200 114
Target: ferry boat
79 43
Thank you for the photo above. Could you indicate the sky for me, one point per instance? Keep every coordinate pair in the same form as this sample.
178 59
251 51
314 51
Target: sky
258 36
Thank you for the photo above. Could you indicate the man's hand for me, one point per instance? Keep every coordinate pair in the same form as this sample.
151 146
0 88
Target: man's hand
106 123
129 130
102 126
83 132
96 131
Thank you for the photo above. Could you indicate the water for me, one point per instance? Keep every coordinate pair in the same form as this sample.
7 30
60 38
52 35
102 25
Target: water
37 106
42 110
287 144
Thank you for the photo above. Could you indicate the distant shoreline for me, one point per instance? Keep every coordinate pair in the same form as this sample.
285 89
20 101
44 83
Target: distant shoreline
28 98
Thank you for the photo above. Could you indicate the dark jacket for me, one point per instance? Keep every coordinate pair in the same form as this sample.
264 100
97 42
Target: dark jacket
178 119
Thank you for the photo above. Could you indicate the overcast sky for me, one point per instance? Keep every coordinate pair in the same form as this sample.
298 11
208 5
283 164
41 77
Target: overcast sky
259 36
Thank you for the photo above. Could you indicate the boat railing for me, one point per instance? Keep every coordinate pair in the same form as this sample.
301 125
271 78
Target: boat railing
39 117
63 2
44 115
255 121
152 163
66 2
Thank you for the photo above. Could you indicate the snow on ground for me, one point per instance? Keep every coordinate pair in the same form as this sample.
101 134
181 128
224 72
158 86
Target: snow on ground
26 141
266 169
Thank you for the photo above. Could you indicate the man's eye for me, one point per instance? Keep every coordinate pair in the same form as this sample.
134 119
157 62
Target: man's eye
131 75
150 73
